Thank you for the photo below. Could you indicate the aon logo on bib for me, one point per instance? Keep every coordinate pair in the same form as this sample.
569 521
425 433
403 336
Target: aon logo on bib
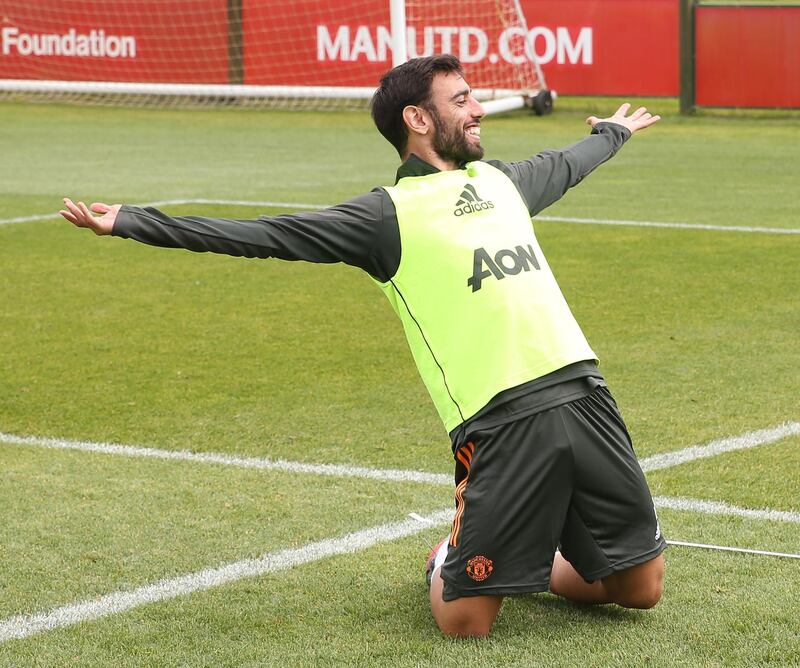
506 262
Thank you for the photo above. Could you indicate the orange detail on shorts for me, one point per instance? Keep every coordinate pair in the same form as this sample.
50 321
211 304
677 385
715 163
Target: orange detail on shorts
454 534
464 455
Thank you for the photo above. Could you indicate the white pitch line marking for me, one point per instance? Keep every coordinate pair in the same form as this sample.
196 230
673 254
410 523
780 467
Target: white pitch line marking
241 202
389 475
719 508
725 548
674 226
747 440
27 219
554 219
23 626
180 202
654 463
54 215
337 470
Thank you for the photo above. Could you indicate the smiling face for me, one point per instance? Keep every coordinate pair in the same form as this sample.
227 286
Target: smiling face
456 117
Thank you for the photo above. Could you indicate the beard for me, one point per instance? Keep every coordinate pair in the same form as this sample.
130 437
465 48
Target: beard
451 144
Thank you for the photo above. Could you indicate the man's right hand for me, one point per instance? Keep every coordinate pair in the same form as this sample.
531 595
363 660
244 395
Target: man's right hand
80 215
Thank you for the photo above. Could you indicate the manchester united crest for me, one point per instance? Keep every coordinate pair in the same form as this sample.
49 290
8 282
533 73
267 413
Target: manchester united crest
479 568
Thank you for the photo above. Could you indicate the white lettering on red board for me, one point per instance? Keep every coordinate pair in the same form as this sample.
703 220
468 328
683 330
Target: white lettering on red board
94 44
469 43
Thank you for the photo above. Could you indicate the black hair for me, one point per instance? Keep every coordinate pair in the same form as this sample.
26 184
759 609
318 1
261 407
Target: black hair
407 84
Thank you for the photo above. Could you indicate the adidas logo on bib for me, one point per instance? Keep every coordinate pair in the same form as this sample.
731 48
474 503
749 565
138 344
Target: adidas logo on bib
470 202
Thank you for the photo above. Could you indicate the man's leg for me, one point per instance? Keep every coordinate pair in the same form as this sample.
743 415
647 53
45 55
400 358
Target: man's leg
640 586
611 518
466 617
513 486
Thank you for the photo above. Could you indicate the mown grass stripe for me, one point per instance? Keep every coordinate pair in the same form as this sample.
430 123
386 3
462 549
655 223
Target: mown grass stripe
23 626
747 440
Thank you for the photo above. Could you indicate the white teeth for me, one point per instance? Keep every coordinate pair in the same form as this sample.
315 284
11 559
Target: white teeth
474 131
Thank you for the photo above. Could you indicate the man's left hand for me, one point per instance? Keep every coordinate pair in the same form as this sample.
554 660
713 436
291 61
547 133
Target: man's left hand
638 120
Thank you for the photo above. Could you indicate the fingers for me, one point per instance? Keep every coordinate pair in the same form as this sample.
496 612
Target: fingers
99 207
644 116
73 213
643 119
69 216
623 110
77 214
638 120
647 120
87 215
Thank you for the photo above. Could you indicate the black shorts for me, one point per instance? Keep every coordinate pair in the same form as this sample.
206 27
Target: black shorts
565 477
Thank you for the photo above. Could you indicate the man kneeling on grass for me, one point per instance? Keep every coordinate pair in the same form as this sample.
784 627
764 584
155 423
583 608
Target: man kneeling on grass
549 494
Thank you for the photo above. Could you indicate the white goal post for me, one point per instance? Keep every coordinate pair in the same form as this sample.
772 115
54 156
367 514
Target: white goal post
310 53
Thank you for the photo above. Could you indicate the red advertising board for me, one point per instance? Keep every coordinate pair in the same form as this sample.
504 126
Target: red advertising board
747 56
635 45
612 47
182 41
584 46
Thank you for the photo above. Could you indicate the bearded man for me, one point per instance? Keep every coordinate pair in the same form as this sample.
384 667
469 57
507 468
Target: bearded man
549 494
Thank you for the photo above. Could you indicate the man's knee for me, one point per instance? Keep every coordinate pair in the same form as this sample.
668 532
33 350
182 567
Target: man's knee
644 597
465 627
469 617
638 587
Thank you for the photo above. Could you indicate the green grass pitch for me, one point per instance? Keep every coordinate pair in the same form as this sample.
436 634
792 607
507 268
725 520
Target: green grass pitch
104 340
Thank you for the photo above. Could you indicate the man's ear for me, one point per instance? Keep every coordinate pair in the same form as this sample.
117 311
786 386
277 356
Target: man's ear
417 120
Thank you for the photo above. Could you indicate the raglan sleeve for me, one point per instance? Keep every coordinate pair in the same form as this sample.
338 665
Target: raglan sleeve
546 177
361 232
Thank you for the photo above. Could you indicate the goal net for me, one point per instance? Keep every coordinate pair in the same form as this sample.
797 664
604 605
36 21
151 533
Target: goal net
314 54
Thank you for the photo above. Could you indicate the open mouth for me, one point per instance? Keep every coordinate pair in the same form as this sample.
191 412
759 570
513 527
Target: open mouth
473 132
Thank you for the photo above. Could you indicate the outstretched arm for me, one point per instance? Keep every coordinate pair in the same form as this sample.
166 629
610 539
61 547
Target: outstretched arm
544 178
361 232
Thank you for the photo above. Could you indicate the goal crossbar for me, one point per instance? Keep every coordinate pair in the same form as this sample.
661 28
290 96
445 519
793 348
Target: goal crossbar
221 90
495 100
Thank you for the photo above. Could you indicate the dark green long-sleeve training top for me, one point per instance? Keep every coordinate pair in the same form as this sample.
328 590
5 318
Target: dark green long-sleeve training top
363 232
